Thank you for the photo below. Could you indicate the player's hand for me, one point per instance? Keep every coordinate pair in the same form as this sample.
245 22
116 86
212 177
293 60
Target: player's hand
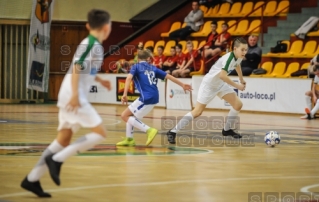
124 99
106 84
241 87
74 104
187 87
242 81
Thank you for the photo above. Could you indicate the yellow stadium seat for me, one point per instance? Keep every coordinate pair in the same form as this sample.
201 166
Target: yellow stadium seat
149 43
305 66
232 29
201 71
242 27
254 27
295 48
247 8
235 9
204 32
158 43
204 9
258 11
195 44
267 66
213 11
224 10
282 9
317 51
201 44
270 8
292 67
183 43
309 49
175 26
316 33
279 70
167 49
219 26
184 24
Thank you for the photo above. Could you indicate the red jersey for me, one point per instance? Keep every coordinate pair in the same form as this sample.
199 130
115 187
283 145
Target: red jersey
211 39
159 59
180 58
226 36
197 59
171 59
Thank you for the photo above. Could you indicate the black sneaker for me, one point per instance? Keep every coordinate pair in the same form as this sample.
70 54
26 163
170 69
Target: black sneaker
171 137
232 133
34 187
54 168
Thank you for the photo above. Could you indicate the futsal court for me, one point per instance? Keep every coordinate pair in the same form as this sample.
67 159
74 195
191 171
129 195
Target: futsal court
161 172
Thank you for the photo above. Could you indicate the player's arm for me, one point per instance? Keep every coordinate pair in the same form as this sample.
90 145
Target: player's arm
223 76
74 102
178 82
105 83
126 87
240 75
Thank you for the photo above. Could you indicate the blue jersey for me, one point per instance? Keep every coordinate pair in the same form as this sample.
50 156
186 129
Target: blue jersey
145 79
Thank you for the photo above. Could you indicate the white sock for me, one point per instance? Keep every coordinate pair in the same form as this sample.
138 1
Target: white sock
315 109
308 102
129 130
231 118
183 122
137 124
82 144
41 167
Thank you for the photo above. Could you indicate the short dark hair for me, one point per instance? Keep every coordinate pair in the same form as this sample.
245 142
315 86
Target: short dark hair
225 24
161 47
97 18
180 46
214 23
238 41
150 48
143 54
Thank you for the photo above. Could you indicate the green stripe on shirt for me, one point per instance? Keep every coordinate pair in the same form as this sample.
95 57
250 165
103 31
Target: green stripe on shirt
231 56
92 40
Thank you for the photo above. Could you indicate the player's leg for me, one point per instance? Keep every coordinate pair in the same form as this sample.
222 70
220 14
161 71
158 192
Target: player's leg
177 72
232 116
86 117
207 52
128 140
32 181
185 72
308 98
311 114
205 94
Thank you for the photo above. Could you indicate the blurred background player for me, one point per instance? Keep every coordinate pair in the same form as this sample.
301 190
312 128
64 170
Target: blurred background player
170 63
313 96
211 38
216 82
159 59
75 111
193 62
145 78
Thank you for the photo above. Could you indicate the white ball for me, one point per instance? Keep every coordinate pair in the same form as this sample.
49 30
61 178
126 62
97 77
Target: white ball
272 138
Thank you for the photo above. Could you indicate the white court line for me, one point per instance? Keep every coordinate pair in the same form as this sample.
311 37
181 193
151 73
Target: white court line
159 183
306 189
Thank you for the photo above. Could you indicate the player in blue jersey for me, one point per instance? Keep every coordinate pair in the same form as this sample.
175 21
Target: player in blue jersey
145 78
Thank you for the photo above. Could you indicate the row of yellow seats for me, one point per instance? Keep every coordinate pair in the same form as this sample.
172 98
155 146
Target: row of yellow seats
279 70
310 50
242 28
167 46
240 10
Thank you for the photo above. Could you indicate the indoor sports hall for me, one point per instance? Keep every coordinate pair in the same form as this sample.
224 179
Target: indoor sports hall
39 38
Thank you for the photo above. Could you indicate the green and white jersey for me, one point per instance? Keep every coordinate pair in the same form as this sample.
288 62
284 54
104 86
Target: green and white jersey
227 62
89 55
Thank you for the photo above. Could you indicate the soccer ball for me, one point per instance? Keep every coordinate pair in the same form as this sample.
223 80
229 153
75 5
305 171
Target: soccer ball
272 138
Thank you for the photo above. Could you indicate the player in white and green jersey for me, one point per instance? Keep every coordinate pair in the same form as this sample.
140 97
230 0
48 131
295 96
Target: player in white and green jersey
217 82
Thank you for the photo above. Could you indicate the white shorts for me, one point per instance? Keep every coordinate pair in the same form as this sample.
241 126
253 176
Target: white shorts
139 109
86 117
207 92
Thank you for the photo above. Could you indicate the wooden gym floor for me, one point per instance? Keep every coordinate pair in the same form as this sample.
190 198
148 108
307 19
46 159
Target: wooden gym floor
187 172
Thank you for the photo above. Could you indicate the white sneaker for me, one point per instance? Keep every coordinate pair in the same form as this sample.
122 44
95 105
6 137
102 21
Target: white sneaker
304 116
